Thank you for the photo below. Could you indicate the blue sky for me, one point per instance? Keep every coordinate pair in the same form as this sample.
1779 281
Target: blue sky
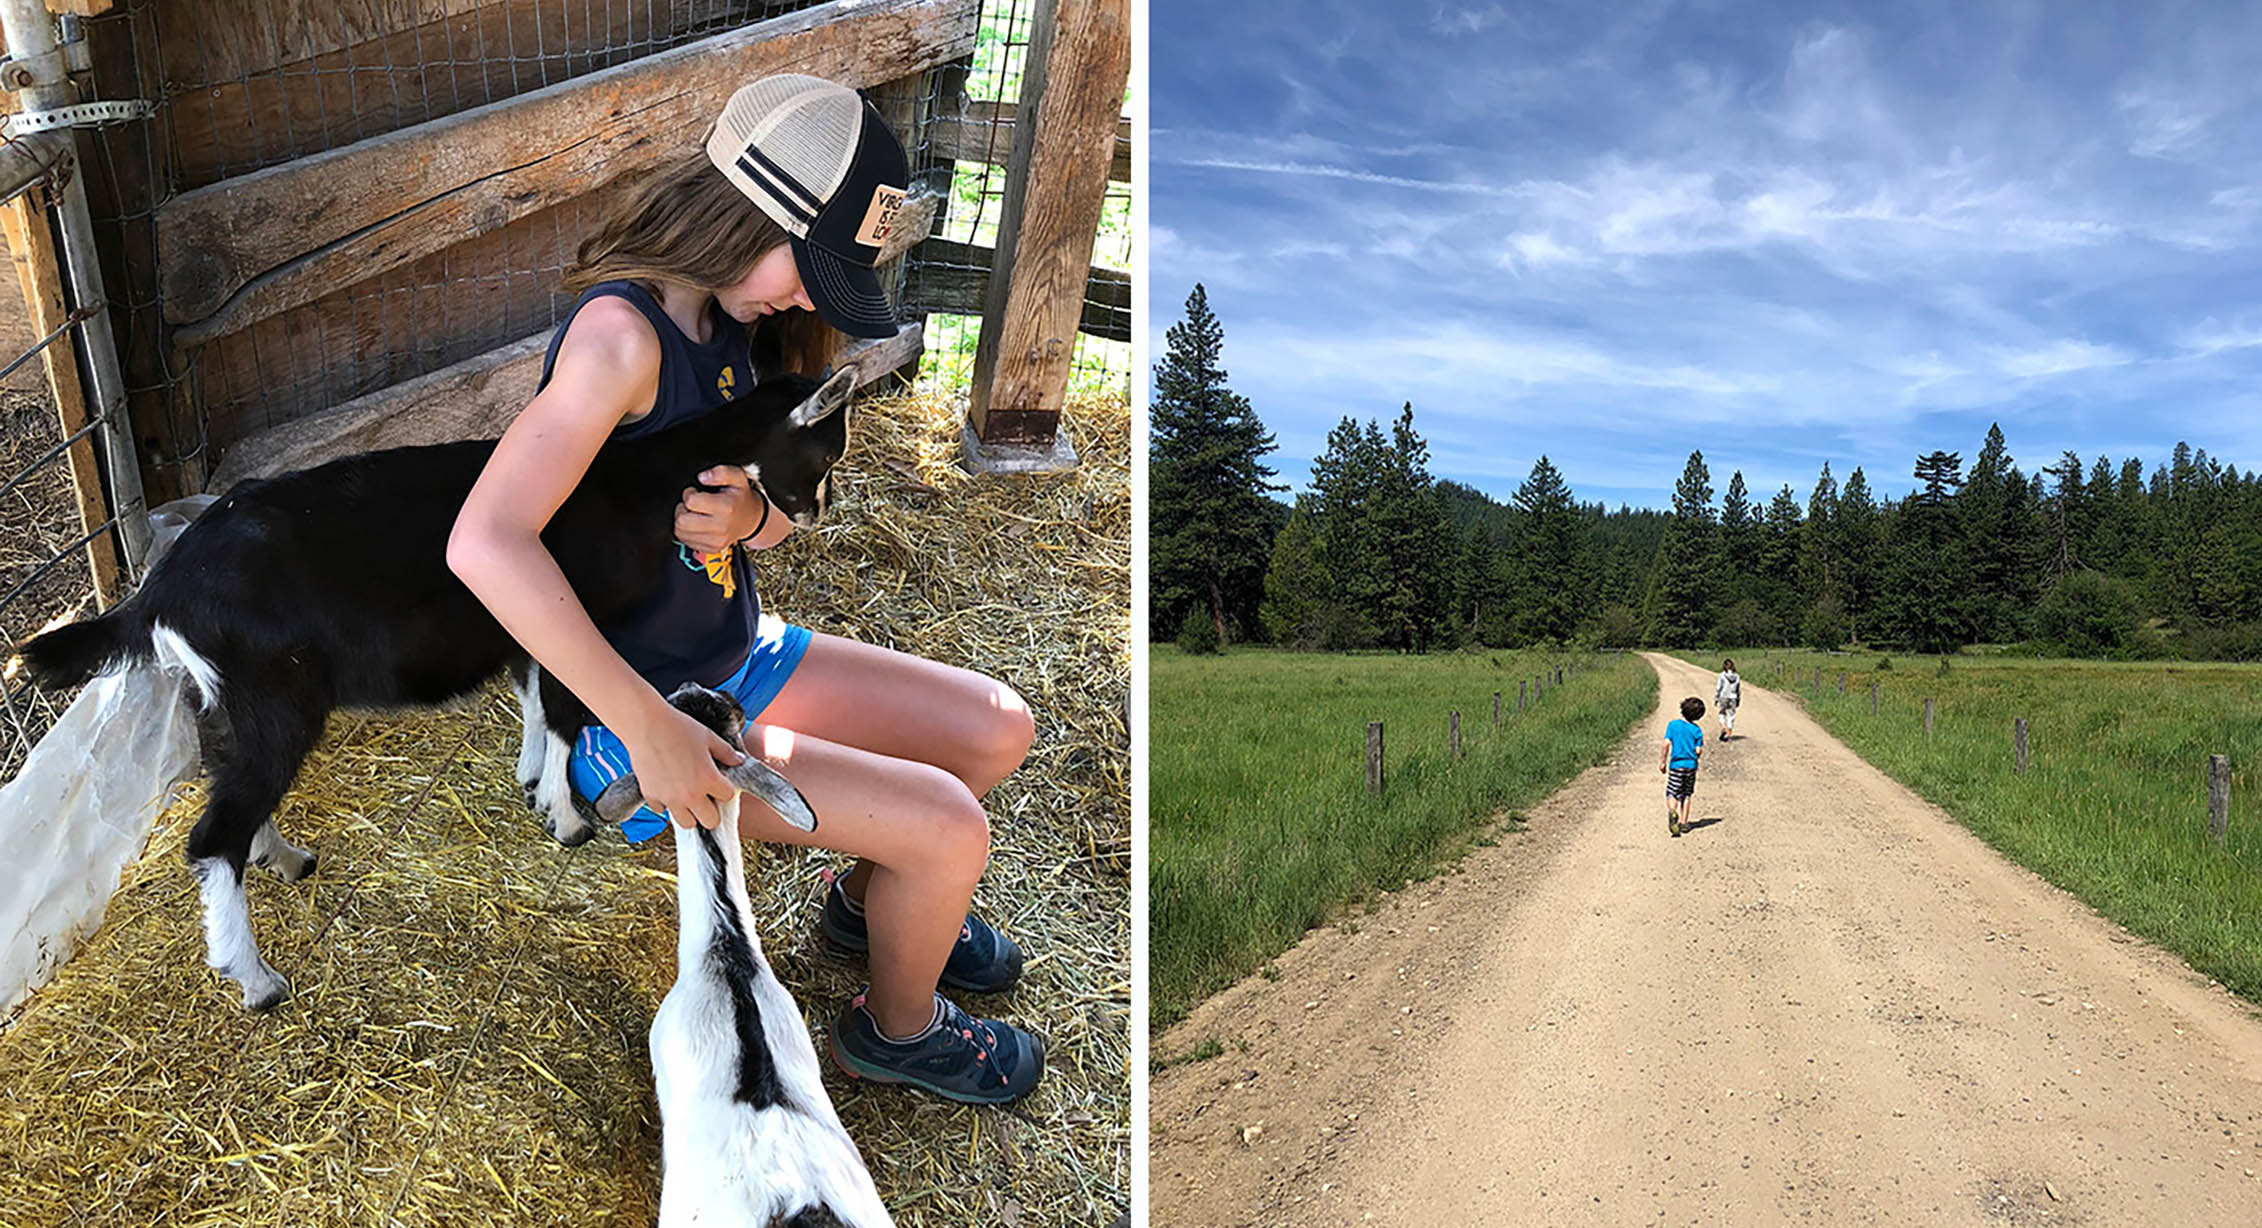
1614 232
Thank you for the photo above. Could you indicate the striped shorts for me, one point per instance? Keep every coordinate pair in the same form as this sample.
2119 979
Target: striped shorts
1680 783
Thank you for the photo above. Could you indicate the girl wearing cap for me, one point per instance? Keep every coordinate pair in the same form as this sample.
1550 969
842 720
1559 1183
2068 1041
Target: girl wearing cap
743 260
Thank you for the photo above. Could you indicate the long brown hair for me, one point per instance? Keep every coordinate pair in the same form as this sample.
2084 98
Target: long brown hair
687 224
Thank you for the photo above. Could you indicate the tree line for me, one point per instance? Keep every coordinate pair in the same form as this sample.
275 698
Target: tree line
2089 557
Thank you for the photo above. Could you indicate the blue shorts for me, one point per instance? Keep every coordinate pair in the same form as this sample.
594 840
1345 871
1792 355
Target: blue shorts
599 758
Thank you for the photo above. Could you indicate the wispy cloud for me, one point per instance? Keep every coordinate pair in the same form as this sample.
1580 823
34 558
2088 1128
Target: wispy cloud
1613 233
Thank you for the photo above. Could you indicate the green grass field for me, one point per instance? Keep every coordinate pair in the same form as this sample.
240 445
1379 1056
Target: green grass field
2113 806
1260 826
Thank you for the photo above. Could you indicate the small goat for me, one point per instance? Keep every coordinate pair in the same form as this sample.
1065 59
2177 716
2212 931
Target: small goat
750 1139
330 588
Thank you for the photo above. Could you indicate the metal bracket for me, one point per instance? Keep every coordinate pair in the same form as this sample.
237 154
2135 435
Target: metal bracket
82 115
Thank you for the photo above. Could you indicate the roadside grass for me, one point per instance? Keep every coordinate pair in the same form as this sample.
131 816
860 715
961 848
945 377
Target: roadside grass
2113 804
1260 825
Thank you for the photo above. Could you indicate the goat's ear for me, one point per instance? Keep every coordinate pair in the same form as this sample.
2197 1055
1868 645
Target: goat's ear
828 400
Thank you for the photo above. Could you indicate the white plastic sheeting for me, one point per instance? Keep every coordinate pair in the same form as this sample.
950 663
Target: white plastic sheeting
84 803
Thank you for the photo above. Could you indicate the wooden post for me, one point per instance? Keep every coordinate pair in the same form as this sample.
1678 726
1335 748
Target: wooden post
1519 695
1374 758
1873 699
1928 716
1453 722
1063 145
1496 709
1841 682
2018 743
32 244
2219 798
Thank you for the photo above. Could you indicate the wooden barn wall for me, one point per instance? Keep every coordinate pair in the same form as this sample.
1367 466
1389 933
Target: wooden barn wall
465 300
259 83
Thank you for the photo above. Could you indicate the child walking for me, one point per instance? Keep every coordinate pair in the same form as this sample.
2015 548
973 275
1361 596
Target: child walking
1677 759
1727 693
740 261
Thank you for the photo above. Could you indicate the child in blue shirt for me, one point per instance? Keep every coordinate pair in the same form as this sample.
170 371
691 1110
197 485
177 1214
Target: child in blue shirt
1677 759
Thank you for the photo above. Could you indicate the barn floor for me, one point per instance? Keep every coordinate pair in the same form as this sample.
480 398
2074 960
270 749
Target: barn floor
466 1040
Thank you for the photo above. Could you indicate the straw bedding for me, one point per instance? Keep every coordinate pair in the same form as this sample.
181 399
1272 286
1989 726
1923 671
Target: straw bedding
466 1040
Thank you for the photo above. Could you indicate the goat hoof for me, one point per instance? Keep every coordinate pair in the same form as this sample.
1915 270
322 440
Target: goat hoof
529 789
266 993
293 867
573 834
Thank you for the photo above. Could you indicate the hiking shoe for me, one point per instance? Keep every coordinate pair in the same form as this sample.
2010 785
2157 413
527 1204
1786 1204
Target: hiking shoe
1673 822
981 961
958 1057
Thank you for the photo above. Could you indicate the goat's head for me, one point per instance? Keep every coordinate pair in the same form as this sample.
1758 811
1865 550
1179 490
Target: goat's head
794 463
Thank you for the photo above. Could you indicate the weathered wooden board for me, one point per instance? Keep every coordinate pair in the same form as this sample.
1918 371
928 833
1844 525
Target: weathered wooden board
439 310
249 247
984 133
474 399
1064 140
954 278
370 76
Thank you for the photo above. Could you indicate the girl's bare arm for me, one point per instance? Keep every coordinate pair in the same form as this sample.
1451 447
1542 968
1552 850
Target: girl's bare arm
607 370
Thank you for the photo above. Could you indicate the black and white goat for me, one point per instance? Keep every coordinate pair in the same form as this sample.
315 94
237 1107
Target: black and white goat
330 588
749 1138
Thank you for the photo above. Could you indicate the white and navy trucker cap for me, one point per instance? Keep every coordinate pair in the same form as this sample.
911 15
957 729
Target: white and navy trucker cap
822 164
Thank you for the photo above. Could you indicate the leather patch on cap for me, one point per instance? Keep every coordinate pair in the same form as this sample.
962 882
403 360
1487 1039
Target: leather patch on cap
887 202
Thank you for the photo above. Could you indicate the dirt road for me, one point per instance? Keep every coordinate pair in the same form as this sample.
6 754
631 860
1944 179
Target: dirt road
1827 1004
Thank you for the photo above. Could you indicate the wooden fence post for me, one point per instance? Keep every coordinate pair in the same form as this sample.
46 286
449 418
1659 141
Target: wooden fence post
1453 723
1519 694
1374 758
1063 145
1841 682
2219 798
1928 716
2018 742
1873 699
1496 709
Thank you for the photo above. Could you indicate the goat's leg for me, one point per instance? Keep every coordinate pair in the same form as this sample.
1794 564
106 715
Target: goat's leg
526 680
279 857
555 718
554 796
218 850
254 749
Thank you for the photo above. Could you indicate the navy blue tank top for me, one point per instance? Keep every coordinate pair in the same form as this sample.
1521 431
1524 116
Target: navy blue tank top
700 627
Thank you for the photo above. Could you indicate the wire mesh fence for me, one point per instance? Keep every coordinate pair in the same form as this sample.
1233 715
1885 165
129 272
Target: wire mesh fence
979 128
45 572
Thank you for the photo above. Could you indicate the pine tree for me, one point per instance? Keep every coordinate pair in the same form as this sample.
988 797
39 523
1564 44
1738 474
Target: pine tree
1680 597
1408 531
1854 525
1821 540
1926 607
1299 596
1209 521
1551 555
1995 546
1346 491
1739 539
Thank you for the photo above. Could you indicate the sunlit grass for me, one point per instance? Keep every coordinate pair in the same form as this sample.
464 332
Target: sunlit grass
2113 805
1260 825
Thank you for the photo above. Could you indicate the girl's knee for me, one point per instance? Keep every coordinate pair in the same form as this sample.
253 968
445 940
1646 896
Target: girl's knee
1013 729
955 839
